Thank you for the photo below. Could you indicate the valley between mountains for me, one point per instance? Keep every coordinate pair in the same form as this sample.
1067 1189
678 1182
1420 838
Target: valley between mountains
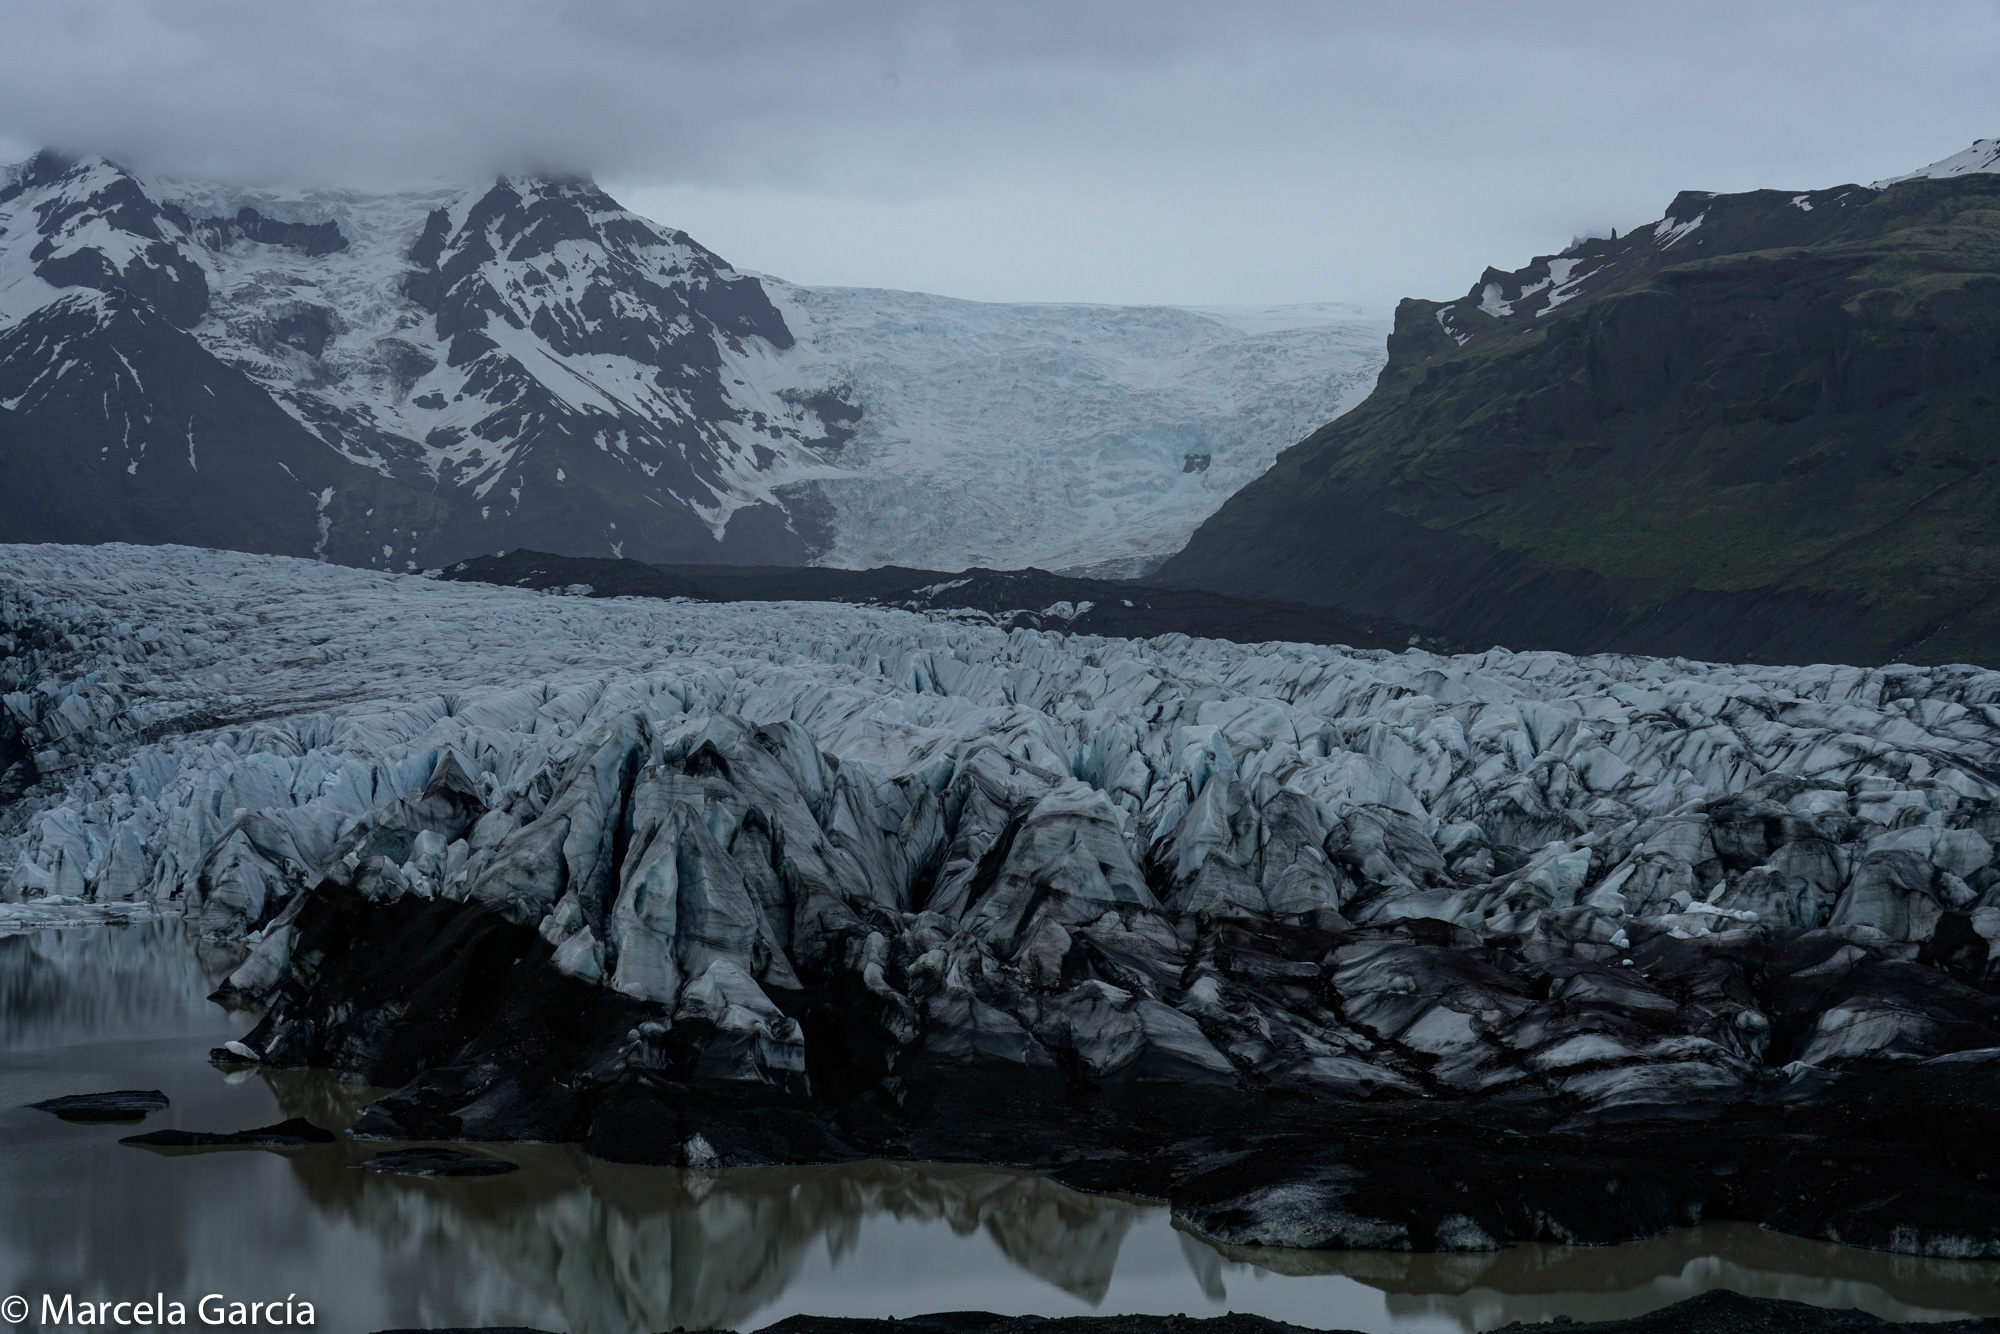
401 381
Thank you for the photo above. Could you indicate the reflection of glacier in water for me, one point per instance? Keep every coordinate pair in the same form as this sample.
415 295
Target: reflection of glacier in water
617 1249
149 979
573 1243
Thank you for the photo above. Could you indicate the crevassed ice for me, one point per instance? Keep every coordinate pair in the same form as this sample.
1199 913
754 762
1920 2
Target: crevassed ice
199 721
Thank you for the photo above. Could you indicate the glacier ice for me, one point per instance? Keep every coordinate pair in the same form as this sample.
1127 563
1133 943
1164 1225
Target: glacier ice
661 875
1059 436
211 731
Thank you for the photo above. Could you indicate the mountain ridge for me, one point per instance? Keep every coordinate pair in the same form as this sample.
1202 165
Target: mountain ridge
526 363
1761 428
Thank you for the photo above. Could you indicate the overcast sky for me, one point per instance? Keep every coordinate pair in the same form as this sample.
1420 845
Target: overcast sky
1139 151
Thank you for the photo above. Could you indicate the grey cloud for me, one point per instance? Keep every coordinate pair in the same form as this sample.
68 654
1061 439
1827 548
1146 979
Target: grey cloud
1141 150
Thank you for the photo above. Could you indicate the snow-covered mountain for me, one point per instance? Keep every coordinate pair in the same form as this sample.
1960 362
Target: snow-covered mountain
405 379
1983 156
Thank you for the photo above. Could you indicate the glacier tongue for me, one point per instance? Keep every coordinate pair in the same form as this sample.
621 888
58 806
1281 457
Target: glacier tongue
1059 436
204 726
815 881
1461 788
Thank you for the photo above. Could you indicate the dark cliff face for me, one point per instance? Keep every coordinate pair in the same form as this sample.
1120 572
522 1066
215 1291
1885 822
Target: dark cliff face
117 426
1765 428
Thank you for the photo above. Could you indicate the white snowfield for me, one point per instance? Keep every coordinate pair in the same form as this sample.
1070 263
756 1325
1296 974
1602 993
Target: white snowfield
174 698
1983 156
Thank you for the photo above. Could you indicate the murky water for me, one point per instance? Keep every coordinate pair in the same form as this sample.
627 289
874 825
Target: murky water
570 1243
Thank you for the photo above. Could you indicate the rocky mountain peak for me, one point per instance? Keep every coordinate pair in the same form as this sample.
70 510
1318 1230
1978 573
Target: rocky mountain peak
95 226
559 364
1693 224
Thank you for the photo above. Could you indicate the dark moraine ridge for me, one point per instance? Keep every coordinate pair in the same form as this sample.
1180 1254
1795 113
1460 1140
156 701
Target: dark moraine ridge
1016 599
1763 429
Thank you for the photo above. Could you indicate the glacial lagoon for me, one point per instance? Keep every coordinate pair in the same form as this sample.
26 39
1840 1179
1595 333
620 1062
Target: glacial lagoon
571 1243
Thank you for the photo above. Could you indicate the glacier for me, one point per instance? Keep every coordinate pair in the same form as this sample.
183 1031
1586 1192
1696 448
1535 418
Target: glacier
1076 438
1465 763
710 883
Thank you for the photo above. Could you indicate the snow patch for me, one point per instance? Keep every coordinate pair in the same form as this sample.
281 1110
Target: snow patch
1983 156
1671 232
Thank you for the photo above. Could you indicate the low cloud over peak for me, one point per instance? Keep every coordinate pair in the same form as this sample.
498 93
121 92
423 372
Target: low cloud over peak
1164 150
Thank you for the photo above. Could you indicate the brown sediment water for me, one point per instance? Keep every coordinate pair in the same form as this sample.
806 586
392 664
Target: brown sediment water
573 1243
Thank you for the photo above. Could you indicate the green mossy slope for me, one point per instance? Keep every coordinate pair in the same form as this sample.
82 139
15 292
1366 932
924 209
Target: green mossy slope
1771 435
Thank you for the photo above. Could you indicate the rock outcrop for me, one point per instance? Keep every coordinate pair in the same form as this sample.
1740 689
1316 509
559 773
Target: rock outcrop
1009 599
91 1108
1758 429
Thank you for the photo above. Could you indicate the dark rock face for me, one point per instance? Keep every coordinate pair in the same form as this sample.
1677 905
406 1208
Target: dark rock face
437 1163
307 238
137 256
292 1133
122 1105
146 437
1757 430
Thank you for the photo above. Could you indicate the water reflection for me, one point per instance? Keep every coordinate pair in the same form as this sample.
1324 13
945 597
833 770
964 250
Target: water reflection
1529 1283
148 979
572 1243
617 1249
